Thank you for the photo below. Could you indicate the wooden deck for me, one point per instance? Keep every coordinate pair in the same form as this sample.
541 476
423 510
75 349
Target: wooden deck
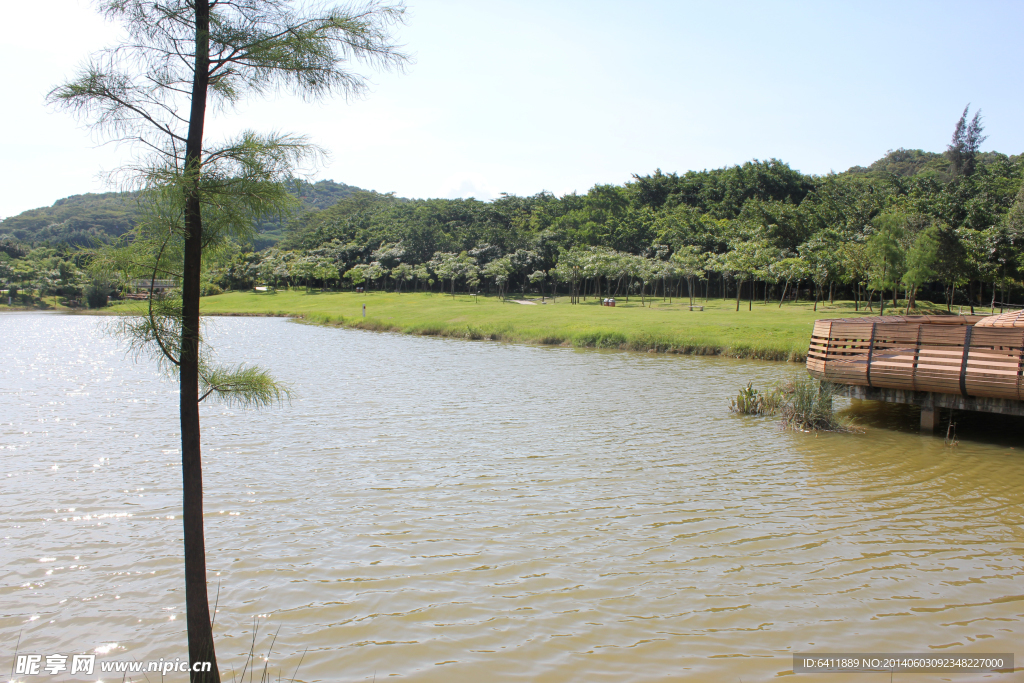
972 356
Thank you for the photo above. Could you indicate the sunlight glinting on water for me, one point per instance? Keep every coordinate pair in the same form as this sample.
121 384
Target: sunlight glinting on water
456 511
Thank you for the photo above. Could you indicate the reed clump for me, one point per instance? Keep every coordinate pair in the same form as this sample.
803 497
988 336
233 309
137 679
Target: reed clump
810 405
750 401
806 404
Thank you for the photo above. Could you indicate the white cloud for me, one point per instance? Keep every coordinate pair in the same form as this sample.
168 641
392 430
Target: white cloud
467 188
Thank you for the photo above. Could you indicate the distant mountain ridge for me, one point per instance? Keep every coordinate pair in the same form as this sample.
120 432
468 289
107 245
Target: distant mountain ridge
87 219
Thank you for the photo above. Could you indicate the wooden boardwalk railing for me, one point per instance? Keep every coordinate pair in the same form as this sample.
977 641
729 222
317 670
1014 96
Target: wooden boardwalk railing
967 355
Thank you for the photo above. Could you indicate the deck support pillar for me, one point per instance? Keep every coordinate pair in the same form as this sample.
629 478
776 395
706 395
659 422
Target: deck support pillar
930 400
928 419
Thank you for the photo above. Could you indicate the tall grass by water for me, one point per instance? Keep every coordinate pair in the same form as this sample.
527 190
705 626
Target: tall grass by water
806 404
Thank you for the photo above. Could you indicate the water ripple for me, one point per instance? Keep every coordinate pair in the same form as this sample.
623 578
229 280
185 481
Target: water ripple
455 511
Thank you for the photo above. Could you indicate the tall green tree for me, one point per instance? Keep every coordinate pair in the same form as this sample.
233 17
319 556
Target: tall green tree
887 255
500 270
963 148
742 262
180 60
792 269
921 263
401 274
692 263
823 256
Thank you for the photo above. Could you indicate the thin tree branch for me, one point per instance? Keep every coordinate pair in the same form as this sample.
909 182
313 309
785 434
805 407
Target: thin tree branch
152 319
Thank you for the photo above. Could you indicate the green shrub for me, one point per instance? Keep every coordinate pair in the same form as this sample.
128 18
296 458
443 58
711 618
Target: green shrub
97 293
750 401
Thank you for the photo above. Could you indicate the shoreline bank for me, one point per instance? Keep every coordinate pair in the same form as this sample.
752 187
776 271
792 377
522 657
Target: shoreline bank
766 332
760 331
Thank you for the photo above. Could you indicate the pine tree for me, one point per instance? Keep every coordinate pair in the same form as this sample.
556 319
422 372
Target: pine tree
180 60
967 138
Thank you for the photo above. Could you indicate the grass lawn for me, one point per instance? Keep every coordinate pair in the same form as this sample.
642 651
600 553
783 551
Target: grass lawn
766 332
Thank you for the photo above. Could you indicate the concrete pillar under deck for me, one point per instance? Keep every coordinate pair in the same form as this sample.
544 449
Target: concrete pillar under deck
934 401
929 419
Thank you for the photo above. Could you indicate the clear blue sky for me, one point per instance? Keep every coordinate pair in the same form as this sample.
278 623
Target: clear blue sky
526 96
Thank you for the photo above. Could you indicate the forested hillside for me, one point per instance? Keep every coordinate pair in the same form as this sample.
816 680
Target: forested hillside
768 197
913 221
91 219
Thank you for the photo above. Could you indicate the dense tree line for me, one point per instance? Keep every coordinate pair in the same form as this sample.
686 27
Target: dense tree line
914 225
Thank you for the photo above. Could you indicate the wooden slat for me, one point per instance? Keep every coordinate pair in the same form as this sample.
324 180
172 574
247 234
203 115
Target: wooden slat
994 362
940 353
1008 319
921 353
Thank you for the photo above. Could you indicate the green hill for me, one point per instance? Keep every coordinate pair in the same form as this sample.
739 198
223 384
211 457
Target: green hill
88 219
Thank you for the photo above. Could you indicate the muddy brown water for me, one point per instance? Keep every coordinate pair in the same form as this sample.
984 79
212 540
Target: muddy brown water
437 510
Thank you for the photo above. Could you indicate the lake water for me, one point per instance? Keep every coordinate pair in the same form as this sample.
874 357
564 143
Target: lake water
440 510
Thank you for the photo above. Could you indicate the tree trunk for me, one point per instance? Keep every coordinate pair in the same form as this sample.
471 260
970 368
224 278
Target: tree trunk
784 290
738 283
197 605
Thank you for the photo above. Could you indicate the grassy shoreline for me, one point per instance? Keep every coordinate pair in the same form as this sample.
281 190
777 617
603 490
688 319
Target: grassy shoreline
767 332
